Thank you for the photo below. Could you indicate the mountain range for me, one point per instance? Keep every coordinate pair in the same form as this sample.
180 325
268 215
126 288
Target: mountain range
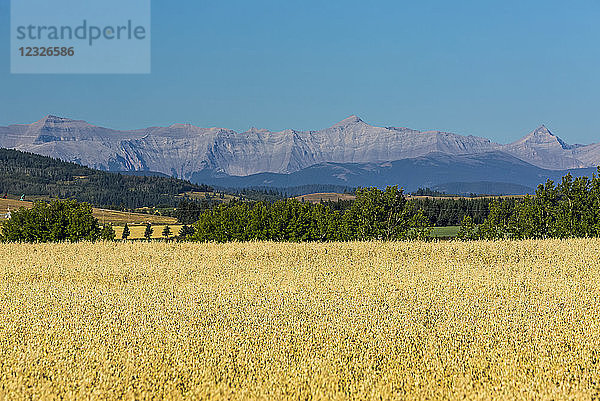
350 153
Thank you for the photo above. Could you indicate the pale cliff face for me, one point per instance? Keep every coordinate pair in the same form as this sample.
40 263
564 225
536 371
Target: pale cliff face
183 149
544 149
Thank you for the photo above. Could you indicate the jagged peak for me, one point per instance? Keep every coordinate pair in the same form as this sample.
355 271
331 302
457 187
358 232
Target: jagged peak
543 135
542 129
258 130
53 128
182 125
353 119
50 118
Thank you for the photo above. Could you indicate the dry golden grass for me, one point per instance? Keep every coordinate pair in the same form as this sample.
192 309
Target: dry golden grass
137 232
117 217
479 320
324 197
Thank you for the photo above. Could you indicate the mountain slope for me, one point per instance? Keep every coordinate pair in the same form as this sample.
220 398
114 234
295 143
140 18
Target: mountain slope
186 151
30 174
433 170
544 149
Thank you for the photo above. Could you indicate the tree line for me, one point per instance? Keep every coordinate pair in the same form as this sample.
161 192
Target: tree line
375 214
439 211
570 208
68 220
31 174
57 221
451 212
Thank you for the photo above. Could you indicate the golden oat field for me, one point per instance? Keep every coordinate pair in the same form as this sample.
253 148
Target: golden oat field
274 321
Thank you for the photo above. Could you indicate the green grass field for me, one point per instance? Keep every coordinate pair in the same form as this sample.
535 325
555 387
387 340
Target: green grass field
445 232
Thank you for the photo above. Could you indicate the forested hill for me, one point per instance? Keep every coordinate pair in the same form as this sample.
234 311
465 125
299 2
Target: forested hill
30 174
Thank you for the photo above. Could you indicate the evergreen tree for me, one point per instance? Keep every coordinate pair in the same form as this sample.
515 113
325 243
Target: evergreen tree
126 232
166 232
29 174
148 232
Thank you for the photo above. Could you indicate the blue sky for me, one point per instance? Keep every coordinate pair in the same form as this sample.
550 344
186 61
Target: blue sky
490 68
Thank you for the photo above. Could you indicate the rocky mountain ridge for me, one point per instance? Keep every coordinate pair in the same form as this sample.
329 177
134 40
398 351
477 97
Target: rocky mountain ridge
184 150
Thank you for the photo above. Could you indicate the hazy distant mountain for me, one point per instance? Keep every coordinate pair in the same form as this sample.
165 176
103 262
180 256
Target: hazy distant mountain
190 152
491 173
544 149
